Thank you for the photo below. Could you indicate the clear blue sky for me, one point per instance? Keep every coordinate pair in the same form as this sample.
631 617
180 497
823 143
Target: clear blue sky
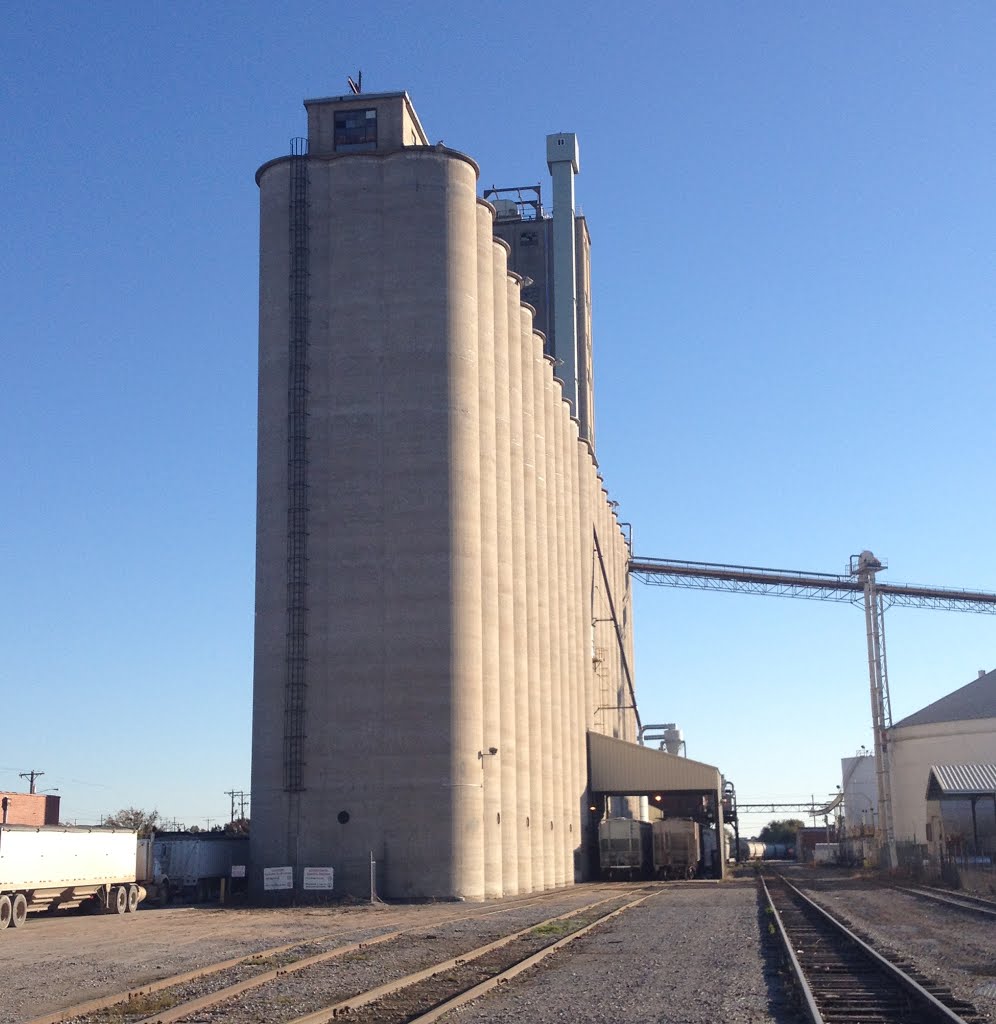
792 215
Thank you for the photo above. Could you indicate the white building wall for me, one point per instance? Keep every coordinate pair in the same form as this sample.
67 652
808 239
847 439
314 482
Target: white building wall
915 748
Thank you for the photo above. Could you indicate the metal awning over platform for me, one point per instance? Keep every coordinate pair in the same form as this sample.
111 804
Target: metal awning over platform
946 781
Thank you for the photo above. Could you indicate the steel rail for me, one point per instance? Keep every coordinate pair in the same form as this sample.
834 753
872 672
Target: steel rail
523 965
812 1010
105 1002
959 901
332 1011
184 1009
908 984
181 1010
141 991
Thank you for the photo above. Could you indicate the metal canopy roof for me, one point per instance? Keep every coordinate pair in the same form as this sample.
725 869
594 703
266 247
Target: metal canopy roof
626 769
961 780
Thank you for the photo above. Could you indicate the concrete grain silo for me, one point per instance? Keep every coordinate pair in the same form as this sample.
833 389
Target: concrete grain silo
526 770
427 510
510 750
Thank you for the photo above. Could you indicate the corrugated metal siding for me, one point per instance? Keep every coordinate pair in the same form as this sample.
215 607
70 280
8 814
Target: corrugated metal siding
961 780
626 768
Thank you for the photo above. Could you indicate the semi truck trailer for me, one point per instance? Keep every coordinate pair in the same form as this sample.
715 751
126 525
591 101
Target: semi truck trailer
193 866
53 867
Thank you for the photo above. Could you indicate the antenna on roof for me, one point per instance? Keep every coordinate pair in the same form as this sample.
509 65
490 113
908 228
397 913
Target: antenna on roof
355 87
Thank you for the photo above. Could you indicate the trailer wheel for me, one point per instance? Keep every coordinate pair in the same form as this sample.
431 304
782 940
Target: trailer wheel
119 899
19 910
132 898
5 911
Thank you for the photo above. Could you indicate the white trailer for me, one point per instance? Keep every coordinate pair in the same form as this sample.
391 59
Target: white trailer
56 866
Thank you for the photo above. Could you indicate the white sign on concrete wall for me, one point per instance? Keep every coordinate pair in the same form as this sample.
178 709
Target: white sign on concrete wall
278 878
318 878
238 871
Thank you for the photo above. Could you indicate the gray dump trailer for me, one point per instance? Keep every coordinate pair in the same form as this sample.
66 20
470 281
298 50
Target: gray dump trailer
58 866
193 866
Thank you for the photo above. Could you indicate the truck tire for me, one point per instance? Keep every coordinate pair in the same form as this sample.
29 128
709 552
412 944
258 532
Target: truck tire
5 912
119 899
132 898
19 910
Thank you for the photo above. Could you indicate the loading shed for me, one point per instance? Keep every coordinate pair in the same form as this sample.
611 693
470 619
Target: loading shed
676 786
961 809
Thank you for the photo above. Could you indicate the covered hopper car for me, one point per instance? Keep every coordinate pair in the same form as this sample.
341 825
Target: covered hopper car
677 848
624 848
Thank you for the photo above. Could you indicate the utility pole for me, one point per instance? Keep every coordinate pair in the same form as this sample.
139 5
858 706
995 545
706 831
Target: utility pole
31 776
241 796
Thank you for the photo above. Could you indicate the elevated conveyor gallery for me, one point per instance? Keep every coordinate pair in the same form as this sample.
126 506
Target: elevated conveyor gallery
677 786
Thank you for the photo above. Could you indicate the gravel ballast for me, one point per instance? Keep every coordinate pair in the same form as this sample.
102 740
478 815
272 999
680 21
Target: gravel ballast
693 952
952 946
692 955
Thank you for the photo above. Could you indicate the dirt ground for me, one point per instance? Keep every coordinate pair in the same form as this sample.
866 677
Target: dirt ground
56 962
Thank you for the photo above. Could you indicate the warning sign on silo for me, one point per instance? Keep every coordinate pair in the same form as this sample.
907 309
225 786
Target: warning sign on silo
318 878
278 878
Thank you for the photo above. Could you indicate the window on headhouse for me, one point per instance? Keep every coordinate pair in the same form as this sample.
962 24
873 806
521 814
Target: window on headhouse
355 131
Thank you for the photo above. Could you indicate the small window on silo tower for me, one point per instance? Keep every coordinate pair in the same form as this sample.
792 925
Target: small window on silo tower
355 131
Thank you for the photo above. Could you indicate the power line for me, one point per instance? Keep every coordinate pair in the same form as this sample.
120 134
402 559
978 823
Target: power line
242 797
31 775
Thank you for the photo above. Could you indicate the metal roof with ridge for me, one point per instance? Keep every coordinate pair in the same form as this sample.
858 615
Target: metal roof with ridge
975 700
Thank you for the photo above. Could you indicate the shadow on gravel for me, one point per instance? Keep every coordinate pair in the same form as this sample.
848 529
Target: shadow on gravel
783 1000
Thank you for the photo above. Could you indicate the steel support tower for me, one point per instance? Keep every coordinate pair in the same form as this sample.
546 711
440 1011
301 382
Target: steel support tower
859 586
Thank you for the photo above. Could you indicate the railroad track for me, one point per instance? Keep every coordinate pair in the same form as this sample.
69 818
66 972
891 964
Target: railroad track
842 979
427 974
959 900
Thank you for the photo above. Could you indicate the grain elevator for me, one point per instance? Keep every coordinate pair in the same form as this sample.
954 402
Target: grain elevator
442 599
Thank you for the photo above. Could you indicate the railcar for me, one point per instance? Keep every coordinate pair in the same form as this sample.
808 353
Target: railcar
677 848
754 849
625 848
